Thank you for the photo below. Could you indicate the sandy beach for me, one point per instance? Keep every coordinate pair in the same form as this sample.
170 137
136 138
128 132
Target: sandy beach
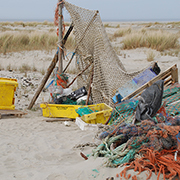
33 149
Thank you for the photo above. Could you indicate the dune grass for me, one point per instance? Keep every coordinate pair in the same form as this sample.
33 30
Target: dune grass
24 24
150 55
122 32
158 40
15 41
20 41
168 24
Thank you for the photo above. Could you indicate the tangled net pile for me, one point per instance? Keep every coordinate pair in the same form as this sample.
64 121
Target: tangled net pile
93 47
125 111
154 141
155 144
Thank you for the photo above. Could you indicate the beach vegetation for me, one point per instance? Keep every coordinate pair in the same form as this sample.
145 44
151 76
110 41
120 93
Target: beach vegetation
106 25
9 67
24 24
42 71
34 69
66 23
122 32
24 68
158 40
150 55
70 43
1 67
20 41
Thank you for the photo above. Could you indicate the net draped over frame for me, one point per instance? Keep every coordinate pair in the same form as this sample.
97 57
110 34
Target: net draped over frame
93 47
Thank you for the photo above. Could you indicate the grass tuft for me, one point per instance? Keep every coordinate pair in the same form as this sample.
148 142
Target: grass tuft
24 68
20 41
122 32
158 40
150 55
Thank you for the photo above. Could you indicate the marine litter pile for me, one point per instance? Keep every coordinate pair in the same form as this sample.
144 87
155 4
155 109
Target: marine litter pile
150 144
143 129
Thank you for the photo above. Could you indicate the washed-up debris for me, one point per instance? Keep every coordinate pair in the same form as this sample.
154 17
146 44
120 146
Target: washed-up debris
58 119
125 111
139 80
66 123
150 101
151 145
154 161
83 155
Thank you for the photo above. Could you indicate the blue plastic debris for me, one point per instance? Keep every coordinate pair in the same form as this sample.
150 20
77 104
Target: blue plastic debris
133 85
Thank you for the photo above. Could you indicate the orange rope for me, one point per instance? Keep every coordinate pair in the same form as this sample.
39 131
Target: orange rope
161 162
56 18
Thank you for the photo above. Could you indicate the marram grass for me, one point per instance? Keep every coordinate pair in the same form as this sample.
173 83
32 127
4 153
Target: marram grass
158 40
20 41
34 40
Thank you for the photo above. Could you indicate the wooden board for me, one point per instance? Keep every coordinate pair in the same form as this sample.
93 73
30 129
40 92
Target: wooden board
169 76
15 112
57 119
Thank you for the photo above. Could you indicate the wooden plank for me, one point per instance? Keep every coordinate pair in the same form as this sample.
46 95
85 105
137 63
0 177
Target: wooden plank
174 74
58 119
158 77
169 79
168 84
17 113
4 111
166 75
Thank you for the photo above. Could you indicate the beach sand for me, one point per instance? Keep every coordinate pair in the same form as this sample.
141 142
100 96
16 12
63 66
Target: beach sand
33 149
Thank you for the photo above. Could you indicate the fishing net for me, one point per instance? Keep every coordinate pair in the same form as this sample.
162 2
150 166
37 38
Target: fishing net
93 48
171 99
125 111
122 140
120 144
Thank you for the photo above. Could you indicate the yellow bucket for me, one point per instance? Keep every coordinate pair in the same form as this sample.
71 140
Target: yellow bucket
7 89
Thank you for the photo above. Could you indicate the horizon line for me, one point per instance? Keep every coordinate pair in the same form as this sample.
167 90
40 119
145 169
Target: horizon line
103 20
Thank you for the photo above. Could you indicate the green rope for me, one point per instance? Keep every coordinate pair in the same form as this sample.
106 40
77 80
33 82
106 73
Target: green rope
129 156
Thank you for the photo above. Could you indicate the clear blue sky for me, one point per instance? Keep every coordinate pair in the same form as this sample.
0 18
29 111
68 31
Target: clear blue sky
109 9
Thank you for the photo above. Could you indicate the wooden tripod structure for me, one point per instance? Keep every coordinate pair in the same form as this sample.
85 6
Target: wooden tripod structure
57 56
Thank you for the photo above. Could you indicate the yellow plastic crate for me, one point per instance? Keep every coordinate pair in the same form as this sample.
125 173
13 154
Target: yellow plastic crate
69 111
7 89
59 110
104 111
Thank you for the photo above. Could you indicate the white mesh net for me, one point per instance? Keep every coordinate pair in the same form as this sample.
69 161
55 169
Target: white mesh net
93 47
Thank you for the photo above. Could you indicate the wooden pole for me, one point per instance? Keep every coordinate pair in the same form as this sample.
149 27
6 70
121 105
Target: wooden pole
78 75
89 91
44 80
69 62
60 37
49 71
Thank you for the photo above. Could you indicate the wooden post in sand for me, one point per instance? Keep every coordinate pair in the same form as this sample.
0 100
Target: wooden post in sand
44 80
50 69
60 38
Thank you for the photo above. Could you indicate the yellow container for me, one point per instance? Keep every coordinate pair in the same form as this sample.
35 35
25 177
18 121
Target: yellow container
104 112
59 110
7 89
69 111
